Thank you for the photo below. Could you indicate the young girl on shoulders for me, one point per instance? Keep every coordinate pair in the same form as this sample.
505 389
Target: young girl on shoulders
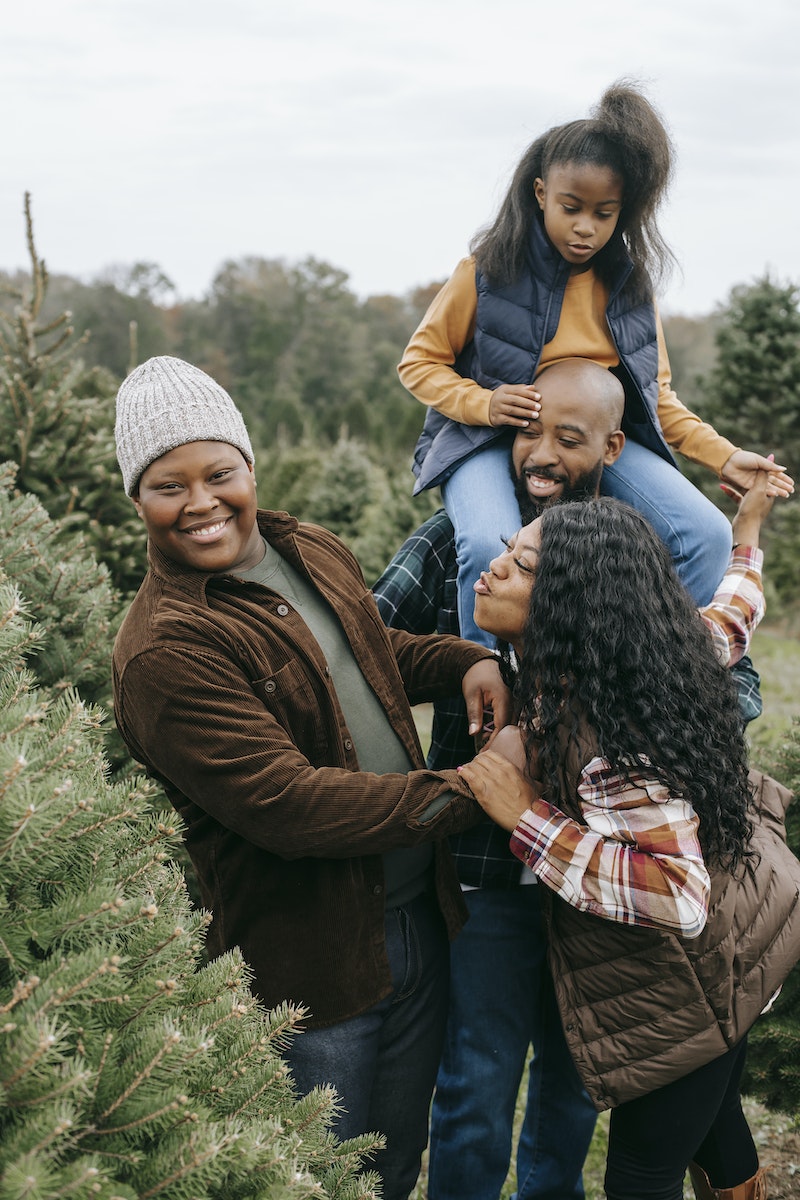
567 270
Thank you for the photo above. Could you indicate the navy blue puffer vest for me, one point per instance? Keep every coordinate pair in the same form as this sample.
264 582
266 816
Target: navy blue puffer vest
513 324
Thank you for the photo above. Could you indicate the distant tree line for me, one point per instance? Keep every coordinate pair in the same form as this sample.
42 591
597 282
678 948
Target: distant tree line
313 368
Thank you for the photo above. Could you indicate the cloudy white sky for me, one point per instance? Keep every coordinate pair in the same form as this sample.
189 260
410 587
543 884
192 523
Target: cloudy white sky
379 136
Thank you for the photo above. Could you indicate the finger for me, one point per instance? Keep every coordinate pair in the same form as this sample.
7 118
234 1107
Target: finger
502 418
475 707
523 409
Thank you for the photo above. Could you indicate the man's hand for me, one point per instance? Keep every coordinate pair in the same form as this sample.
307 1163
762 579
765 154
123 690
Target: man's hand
483 688
744 467
514 404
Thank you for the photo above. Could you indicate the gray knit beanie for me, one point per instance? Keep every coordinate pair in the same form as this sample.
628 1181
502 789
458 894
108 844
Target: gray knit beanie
166 403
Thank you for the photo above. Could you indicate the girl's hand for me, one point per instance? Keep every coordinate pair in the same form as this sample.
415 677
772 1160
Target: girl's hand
502 791
743 468
514 404
754 508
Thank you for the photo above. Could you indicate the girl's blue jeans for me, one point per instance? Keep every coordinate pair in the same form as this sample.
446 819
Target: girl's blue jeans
479 498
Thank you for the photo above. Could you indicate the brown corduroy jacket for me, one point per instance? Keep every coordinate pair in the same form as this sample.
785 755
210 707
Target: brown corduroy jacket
222 694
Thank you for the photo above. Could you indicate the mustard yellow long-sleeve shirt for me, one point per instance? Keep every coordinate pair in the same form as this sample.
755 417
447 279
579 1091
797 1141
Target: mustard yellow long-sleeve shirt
427 371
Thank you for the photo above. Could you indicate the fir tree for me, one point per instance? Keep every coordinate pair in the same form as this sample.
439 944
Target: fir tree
752 396
57 423
66 590
128 1067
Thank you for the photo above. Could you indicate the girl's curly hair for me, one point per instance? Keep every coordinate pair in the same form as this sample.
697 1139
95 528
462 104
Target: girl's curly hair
614 642
624 133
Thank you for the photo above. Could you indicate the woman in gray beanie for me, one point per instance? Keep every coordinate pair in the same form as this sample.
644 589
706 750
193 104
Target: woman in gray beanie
255 679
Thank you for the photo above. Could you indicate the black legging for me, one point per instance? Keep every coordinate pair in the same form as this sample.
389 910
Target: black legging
697 1118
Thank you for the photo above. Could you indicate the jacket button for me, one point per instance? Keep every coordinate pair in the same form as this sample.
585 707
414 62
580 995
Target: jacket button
270 685
376 891
283 610
348 745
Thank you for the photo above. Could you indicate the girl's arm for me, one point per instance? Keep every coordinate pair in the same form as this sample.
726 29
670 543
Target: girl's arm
697 440
738 605
634 858
426 368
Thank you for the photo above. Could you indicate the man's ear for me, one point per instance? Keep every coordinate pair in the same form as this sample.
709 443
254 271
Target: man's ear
614 447
137 503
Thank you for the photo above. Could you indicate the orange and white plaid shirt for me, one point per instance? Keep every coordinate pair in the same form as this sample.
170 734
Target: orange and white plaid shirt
636 858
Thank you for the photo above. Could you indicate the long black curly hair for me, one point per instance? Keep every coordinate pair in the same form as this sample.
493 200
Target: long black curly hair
614 642
624 133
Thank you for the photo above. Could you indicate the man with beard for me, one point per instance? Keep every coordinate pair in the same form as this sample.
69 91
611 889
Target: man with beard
558 457
501 1000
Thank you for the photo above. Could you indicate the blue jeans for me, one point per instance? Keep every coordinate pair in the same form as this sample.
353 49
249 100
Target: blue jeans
383 1062
479 498
501 1003
696 533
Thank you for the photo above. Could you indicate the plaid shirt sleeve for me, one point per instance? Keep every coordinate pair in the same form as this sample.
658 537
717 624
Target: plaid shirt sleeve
413 593
737 605
635 858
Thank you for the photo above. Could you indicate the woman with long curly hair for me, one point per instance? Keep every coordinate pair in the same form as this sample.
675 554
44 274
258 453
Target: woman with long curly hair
671 899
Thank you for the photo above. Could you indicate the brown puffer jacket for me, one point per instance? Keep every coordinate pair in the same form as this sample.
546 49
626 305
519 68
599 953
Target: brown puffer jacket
642 1007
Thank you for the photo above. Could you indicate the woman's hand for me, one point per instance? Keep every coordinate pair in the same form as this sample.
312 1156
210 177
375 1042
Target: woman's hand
744 467
500 788
514 404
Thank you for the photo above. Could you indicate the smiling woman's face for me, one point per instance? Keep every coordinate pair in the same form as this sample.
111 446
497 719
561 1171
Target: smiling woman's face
198 503
503 593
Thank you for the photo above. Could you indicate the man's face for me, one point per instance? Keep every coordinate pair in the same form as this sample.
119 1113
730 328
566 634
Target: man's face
561 455
198 503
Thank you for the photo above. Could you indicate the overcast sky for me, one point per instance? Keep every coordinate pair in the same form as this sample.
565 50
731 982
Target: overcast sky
379 136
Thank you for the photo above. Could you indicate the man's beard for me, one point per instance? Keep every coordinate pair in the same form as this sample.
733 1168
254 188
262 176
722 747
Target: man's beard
585 487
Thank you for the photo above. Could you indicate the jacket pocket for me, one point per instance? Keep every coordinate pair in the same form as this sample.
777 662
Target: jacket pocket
291 698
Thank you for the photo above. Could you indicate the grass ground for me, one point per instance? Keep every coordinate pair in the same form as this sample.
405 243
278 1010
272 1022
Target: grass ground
776 656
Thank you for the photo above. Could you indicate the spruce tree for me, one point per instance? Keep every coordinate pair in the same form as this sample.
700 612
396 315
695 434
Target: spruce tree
57 423
752 396
129 1066
66 590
